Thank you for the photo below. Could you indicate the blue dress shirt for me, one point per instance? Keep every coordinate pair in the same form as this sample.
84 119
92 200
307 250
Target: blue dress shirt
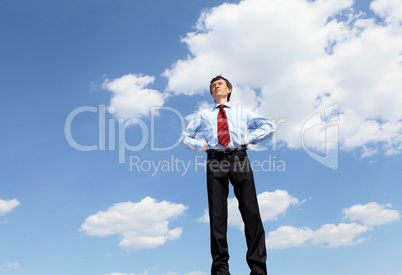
243 123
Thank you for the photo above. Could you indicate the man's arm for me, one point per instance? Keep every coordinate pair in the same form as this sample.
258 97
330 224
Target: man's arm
259 128
188 138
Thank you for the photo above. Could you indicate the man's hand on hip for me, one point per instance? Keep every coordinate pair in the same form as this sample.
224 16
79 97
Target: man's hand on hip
205 148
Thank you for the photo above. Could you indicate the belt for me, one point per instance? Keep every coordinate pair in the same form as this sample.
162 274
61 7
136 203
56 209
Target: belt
227 150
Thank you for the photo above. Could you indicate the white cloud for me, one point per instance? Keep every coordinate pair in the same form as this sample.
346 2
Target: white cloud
7 206
331 235
292 59
13 265
390 10
288 236
272 205
131 98
371 214
142 225
367 152
204 218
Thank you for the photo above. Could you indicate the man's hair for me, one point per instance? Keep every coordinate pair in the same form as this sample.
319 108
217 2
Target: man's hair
219 77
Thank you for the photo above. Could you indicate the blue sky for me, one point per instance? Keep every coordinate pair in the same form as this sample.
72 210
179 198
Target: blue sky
94 98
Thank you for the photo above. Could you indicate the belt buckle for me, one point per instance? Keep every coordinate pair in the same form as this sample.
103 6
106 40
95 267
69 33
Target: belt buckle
227 150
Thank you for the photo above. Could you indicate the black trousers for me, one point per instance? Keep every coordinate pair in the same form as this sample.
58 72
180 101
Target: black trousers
234 167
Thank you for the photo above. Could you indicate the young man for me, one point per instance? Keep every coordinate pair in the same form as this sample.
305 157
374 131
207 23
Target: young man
225 132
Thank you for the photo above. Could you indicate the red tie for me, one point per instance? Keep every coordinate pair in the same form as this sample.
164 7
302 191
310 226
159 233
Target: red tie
223 127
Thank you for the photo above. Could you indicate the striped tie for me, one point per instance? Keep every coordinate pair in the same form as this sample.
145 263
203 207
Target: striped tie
223 127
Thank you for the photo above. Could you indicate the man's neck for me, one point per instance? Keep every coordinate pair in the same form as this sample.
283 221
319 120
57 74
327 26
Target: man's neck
221 101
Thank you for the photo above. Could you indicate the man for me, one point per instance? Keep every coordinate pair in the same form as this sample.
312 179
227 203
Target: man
225 132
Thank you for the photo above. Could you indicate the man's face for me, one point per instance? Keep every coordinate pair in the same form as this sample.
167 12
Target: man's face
220 89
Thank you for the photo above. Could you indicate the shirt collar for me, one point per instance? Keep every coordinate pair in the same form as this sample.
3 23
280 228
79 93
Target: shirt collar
226 105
